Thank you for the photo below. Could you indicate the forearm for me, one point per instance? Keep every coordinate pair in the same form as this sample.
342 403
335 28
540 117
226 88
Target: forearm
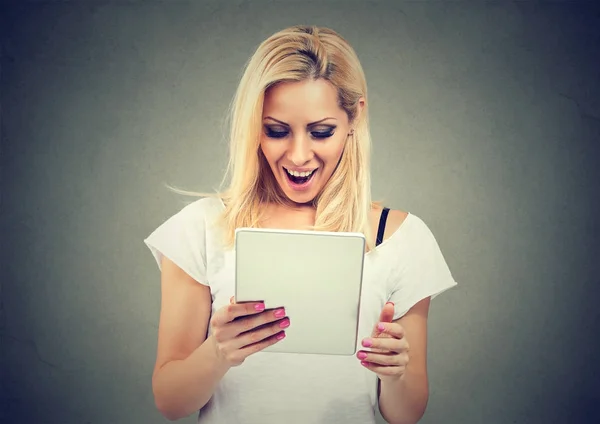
182 387
404 401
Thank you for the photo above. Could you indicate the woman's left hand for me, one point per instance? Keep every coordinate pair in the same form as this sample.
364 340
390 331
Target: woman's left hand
387 355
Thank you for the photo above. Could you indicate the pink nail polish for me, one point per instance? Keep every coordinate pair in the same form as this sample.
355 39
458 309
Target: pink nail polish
362 355
367 343
259 307
285 323
363 363
280 336
279 313
380 326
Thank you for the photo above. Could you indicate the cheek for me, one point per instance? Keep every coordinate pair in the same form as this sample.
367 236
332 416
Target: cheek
266 150
333 152
271 152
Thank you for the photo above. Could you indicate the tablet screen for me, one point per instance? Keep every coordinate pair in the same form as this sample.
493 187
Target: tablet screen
316 276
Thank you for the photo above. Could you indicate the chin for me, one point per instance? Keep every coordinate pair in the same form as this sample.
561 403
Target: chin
302 199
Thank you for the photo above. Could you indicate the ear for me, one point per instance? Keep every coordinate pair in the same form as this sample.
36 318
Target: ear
359 109
361 104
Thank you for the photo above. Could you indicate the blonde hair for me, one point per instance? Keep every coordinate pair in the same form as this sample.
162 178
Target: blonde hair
295 54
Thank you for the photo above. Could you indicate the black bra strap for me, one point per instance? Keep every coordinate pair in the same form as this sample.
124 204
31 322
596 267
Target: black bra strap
381 230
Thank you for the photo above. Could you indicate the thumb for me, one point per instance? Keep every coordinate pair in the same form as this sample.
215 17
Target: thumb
386 315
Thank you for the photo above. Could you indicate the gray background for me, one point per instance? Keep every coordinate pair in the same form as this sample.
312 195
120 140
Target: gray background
486 124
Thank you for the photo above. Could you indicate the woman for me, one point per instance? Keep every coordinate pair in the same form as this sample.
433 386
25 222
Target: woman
299 159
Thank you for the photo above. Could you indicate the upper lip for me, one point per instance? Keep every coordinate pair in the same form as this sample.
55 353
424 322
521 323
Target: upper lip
300 169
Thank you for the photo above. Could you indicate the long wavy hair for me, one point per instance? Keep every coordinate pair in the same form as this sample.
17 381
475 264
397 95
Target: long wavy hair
296 54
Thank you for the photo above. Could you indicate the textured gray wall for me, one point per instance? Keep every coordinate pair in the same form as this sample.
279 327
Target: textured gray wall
486 123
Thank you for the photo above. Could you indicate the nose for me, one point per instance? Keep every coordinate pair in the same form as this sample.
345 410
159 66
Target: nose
301 151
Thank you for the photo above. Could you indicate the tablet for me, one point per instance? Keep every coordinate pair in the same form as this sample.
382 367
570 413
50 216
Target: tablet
316 276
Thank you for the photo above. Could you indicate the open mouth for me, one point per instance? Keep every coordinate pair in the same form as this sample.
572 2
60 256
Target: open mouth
300 178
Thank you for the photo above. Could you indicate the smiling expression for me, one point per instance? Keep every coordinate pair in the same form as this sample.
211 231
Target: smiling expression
303 136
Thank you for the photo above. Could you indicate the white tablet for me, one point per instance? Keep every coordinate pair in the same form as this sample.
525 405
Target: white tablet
316 276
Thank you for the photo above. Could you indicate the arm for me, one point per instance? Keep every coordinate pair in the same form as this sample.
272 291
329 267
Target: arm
403 401
187 369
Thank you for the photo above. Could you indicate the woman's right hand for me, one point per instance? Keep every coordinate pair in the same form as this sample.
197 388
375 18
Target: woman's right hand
242 329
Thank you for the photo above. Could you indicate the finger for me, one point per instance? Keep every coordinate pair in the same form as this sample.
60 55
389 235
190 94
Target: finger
259 333
232 311
383 358
232 300
386 344
243 353
248 323
392 329
245 324
389 371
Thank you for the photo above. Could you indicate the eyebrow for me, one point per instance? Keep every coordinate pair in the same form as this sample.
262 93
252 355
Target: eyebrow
309 125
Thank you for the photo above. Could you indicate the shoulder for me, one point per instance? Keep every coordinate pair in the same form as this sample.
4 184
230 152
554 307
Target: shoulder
190 219
201 209
412 235
395 219
403 229
185 236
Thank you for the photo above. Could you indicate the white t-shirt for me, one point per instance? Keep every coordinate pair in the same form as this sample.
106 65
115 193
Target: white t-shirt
299 388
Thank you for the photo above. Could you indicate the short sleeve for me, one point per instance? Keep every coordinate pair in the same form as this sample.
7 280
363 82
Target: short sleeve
422 270
182 239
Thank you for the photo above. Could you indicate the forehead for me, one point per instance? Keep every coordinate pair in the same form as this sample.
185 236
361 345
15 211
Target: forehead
309 100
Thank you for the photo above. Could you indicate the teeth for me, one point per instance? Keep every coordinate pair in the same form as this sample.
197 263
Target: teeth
299 174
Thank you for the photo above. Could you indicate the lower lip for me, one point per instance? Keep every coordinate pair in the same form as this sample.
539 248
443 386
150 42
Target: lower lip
300 187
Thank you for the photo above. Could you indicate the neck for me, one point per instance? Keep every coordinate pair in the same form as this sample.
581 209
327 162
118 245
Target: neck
291 205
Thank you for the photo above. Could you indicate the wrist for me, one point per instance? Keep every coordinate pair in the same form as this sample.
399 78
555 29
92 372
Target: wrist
393 379
219 363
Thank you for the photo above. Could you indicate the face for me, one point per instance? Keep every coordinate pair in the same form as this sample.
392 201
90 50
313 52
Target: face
303 136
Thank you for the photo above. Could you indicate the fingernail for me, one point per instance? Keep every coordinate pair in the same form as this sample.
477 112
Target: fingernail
367 343
279 313
363 363
392 303
362 355
285 323
259 307
280 336
380 326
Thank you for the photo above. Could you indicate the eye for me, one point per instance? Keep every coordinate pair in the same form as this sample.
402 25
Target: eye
320 134
275 132
323 132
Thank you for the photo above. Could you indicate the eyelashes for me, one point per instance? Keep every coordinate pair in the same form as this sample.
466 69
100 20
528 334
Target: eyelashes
275 134
272 132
